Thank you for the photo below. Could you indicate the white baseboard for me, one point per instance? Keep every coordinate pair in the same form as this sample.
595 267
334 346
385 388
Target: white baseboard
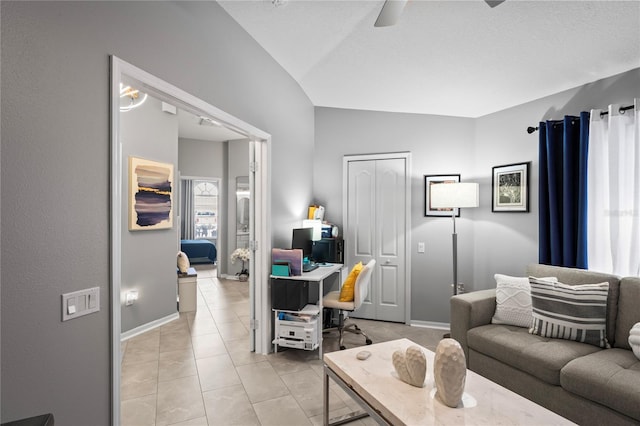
430 324
229 277
148 326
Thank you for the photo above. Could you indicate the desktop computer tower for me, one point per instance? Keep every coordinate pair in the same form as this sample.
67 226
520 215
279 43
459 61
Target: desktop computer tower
330 250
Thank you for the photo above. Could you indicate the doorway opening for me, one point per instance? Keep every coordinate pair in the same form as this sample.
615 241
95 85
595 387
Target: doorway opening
172 99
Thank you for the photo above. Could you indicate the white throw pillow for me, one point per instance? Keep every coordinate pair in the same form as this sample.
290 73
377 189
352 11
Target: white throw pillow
513 300
634 339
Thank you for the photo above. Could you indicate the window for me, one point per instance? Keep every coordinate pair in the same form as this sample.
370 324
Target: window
205 202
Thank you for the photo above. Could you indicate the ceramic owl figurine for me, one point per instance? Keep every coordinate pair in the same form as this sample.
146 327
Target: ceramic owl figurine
450 372
183 262
411 365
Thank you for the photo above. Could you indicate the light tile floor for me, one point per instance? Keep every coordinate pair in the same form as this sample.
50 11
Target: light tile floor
198 370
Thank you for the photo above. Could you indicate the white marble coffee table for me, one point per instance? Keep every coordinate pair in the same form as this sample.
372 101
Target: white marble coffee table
374 384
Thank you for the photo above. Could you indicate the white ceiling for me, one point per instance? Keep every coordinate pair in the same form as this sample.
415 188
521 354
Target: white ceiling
458 58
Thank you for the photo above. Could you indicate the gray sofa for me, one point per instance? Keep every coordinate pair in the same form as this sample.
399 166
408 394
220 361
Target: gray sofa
584 383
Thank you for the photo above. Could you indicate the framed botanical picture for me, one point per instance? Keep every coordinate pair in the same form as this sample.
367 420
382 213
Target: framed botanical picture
150 194
510 188
431 180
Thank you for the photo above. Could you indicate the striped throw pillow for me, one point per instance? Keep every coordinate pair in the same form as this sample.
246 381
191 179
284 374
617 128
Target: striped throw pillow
571 312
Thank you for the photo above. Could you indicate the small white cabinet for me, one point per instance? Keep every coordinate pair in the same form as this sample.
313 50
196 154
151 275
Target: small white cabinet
187 291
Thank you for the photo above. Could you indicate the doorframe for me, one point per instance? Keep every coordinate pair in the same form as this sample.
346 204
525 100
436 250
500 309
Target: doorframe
260 220
407 231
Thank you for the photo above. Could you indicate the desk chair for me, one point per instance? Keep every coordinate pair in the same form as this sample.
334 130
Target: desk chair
361 289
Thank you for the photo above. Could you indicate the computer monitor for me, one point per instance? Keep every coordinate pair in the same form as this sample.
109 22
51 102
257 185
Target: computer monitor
303 239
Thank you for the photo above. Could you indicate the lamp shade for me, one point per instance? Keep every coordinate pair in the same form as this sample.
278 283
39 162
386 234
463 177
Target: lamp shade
454 195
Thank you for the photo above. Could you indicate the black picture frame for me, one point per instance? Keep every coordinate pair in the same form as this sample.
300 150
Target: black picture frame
433 179
510 188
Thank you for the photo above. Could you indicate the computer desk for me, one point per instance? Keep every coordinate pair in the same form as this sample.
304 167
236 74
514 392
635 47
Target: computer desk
317 275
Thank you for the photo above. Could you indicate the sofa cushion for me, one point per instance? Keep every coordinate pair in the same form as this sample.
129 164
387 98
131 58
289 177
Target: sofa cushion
573 276
513 300
539 356
577 312
629 305
610 377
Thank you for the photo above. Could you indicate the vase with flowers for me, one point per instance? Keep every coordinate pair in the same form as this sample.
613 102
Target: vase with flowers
242 254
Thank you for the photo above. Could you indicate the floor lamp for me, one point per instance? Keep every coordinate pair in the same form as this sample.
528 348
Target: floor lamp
454 195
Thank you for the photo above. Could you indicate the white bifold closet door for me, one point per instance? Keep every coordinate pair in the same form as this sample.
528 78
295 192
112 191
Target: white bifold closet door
375 229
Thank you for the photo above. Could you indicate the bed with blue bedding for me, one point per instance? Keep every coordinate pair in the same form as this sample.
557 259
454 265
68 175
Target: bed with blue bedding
199 251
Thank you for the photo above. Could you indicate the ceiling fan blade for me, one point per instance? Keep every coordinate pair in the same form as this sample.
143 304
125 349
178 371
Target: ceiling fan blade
391 11
494 3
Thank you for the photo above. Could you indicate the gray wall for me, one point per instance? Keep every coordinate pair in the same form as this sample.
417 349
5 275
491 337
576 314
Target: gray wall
55 170
488 243
507 242
202 158
439 145
148 257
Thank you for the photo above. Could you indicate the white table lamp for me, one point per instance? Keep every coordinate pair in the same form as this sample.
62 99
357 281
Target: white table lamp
453 196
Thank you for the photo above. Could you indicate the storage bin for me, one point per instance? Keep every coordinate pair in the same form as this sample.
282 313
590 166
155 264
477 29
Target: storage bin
289 295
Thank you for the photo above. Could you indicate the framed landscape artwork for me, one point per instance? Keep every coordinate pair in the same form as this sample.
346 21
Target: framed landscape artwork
510 188
150 195
431 180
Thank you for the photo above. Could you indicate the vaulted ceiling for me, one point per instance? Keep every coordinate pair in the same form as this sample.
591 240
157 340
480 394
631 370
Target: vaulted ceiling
457 57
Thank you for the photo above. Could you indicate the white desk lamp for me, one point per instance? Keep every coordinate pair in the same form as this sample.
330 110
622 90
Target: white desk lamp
453 196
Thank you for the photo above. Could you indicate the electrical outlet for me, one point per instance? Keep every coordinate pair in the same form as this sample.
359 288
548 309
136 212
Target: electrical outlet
131 297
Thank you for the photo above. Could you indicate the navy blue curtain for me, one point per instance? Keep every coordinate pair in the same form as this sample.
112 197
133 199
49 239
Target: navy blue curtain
564 145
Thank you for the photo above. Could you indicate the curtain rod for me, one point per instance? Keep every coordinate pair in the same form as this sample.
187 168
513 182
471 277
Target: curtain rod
532 129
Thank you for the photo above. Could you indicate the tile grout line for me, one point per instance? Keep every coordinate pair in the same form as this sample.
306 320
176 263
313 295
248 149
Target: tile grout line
193 352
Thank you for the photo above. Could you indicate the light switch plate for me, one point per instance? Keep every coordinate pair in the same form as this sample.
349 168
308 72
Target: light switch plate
420 247
80 303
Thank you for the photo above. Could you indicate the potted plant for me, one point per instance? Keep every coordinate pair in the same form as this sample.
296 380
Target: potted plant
242 254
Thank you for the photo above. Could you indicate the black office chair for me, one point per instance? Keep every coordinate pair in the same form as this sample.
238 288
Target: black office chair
361 289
